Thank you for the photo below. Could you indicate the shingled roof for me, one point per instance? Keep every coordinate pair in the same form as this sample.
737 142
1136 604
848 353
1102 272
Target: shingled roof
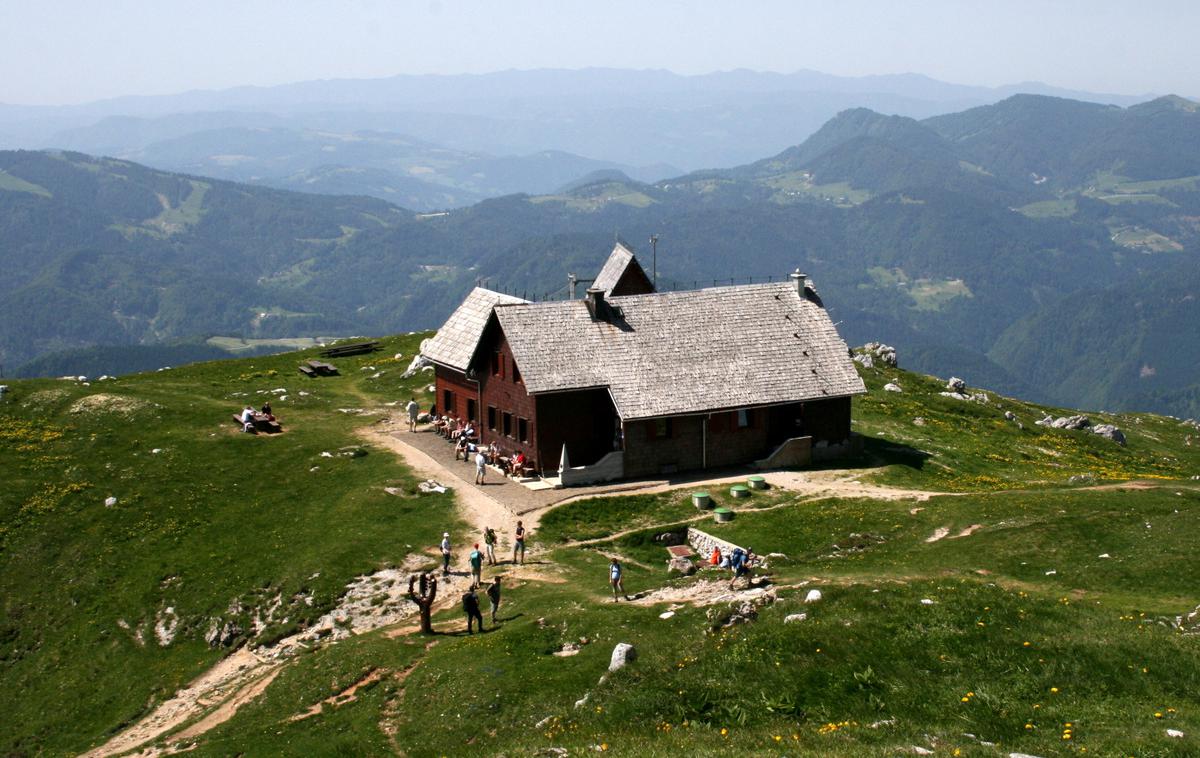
621 264
685 352
455 342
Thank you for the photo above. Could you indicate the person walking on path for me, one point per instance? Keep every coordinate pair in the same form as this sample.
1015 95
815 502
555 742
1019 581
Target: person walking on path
413 409
493 593
476 559
446 554
615 579
519 545
470 603
480 466
489 542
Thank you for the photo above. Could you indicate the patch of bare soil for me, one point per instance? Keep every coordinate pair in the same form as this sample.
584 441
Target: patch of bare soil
348 695
968 531
103 402
701 592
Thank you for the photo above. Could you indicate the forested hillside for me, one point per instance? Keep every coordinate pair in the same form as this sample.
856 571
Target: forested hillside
1029 244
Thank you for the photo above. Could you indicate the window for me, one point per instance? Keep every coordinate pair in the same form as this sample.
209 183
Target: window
506 419
497 364
447 403
523 430
492 418
516 373
744 418
660 429
470 409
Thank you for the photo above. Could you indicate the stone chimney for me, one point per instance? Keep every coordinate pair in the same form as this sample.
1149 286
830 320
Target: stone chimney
596 304
798 281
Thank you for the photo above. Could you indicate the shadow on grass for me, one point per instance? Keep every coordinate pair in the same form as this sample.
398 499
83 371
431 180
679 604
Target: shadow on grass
876 453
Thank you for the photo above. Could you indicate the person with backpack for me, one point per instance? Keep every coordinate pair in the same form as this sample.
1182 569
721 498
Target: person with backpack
740 564
493 593
470 603
476 559
489 542
615 579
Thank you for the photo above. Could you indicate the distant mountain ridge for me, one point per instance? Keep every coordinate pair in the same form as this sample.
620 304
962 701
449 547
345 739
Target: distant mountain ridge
977 242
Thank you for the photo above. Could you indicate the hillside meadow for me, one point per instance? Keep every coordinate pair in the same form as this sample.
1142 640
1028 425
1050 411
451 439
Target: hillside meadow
1032 595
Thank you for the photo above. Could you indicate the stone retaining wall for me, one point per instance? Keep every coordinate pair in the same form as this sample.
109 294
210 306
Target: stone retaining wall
703 543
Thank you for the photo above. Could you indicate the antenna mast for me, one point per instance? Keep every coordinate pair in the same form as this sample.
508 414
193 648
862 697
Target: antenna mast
654 248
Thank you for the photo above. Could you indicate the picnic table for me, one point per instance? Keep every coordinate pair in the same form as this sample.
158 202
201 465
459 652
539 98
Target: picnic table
314 369
262 423
357 348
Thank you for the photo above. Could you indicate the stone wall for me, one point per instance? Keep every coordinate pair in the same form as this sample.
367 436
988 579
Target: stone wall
794 452
703 543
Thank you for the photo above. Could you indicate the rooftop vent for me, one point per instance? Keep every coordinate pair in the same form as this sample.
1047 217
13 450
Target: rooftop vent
596 304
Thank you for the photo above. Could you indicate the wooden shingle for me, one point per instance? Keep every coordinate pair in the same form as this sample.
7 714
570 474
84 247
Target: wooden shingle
455 342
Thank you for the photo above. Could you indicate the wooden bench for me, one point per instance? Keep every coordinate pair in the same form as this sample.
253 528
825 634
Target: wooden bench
358 348
308 371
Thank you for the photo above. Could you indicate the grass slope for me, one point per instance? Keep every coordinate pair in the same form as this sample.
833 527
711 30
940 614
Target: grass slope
1032 640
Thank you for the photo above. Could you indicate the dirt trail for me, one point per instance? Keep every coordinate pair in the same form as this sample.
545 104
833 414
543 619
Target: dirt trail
221 683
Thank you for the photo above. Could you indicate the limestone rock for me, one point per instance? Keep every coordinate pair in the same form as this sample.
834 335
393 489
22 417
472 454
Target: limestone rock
956 385
622 655
418 362
812 596
892 387
794 618
1111 432
681 565
109 502
875 353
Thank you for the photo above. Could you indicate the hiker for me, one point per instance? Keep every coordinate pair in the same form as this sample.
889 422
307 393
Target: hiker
446 554
248 419
615 579
413 409
489 541
266 411
470 603
739 562
519 545
480 466
476 559
715 558
493 593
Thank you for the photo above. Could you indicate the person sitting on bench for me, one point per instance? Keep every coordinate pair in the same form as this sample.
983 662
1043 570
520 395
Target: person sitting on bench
248 419
517 464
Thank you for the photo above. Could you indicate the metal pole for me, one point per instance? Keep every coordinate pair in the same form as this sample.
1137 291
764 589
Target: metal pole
654 249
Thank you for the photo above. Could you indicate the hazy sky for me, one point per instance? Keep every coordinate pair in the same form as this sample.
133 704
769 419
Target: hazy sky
68 51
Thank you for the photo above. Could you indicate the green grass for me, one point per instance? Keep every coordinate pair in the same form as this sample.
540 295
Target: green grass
799 184
217 520
1060 208
11 183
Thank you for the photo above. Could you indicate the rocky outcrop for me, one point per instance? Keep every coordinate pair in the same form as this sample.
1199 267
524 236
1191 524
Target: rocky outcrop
1111 432
622 655
875 354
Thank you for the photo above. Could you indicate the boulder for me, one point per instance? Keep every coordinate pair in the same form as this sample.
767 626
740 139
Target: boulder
892 387
794 618
418 362
1071 422
812 596
1110 432
681 565
956 385
622 655
109 502
1010 415
874 353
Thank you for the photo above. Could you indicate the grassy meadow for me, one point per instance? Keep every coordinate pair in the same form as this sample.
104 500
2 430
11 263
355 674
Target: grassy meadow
1030 608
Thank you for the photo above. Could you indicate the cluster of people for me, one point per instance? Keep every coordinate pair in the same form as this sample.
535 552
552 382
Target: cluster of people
475 559
738 561
249 416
